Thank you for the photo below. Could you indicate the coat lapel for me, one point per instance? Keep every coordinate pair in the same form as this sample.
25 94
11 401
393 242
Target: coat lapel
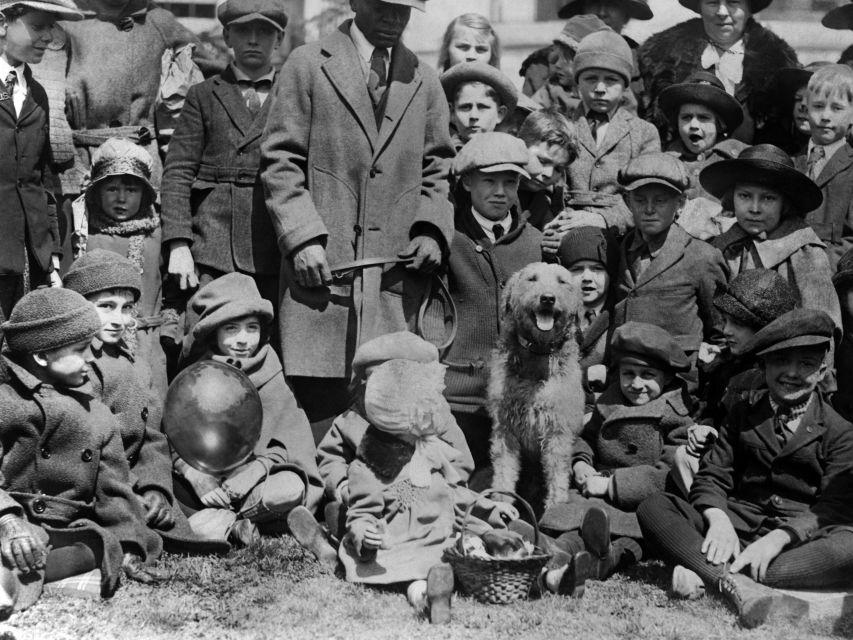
616 130
405 80
812 427
839 161
585 133
671 253
761 415
256 128
228 93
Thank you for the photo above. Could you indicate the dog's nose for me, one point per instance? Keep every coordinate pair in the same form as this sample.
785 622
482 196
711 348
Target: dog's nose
548 299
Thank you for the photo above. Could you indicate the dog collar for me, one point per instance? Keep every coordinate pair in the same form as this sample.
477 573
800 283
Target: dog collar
534 348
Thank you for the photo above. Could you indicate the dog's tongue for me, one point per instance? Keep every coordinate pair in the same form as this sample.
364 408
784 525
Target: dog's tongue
544 322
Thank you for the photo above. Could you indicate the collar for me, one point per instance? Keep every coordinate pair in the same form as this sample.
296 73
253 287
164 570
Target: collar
241 75
362 44
486 224
597 308
33 384
711 55
796 412
829 149
541 350
638 243
20 70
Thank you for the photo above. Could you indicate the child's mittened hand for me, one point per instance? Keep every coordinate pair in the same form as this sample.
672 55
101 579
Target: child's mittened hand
158 511
19 547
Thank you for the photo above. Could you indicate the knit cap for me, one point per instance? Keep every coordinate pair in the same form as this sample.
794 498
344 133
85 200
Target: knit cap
232 296
47 319
101 270
587 243
400 345
757 297
605 50
577 28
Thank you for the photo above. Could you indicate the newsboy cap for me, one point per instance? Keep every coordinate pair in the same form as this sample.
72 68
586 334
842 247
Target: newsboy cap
757 297
578 28
654 168
241 11
648 345
588 243
797 328
464 72
401 345
491 152
636 9
62 9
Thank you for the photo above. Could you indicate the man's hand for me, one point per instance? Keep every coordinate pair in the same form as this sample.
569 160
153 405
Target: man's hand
761 553
721 543
182 266
19 545
426 253
240 484
311 266
158 512
550 241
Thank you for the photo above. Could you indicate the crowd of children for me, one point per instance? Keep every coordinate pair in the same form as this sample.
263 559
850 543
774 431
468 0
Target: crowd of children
714 323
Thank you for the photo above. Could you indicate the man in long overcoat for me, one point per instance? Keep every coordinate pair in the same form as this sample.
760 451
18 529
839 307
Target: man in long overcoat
354 165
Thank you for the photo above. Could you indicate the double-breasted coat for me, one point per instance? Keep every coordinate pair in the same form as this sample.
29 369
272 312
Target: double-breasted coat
332 175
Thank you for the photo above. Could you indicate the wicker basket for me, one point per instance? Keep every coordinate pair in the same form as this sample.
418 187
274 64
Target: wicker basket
497 580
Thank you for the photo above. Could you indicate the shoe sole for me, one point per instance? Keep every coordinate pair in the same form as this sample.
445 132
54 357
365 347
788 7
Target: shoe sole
595 532
773 608
574 579
439 590
307 532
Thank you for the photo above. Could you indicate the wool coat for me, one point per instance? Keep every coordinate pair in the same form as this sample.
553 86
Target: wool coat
28 216
339 446
332 175
676 291
596 168
212 195
478 271
832 221
792 250
801 487
63 466
636 447
670 56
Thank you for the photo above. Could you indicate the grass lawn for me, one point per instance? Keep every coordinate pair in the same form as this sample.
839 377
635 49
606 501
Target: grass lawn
274 590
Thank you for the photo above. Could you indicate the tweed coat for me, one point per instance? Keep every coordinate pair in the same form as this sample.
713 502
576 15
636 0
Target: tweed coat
801 487
676 291
832 221
792 250
596 168
29 216
332 175
63 466
212 195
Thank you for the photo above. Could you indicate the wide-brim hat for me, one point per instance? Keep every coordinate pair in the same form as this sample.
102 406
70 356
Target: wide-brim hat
480 72
789 79
754 5
839 18
636 9
62 9
706 89
120 157
763 164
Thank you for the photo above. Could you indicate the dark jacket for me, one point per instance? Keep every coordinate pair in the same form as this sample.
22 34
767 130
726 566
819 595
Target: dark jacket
212 194
28 215
477 274
801 487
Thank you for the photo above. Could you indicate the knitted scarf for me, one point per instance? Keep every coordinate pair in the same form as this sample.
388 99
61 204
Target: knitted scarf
136 229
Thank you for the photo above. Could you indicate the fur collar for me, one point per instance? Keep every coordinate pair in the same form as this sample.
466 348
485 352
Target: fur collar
384 454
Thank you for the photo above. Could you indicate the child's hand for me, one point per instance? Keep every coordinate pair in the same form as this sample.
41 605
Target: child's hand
699 438
709 352
158 512
550 241
573 218
181 265
374 535
135 569
582 471
506 511
721 543
342 492
216 499
240 484
201 483
19 545
596 486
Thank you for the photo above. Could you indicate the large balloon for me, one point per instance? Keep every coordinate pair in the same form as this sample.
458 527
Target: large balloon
212 416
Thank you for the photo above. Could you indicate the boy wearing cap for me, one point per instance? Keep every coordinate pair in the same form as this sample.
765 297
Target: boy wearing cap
214 217
29 246
770 505
493 240
60 439
666 277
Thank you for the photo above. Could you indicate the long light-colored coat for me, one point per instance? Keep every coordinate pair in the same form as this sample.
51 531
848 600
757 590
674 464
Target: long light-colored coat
332 175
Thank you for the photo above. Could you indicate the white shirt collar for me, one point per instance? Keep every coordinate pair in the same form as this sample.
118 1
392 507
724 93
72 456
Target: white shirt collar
363 46
5 68
241 75
728 65
829 149
486 224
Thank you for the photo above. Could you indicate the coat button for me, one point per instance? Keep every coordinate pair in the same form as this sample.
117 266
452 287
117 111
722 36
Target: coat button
596 188
144 413
39 506
776 500
357 229
86 456
45 453
132 458
478 249
810 429
373 172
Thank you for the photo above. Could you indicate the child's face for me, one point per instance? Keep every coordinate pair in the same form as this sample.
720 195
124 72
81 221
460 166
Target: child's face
253 44
601 90
115 308
697 126
468 45
758 209
475 111
792 374
801 111
654 207
492 194
67 366
641 384
736 334
591 279
560 65
830 117
121 197
554 160
239 338
27 37
610 12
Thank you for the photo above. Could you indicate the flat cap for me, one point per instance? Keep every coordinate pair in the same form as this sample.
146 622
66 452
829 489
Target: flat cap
62 9
797 328
402 345
464 72
648 345
492 152
588 243
577 28
757 297
655 168
420 5
241 11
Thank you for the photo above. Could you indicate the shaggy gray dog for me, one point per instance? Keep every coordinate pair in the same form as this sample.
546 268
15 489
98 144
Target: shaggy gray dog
535 395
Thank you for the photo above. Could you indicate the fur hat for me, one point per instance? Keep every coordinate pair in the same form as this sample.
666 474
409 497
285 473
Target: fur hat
767 165
701 88
464 72
605 50
241 11
754 5
757 297
797 328
402 345
229 297
578 28
102 270
120 157
62 9
648 345
636 9
47 319
839 18
588 243
654 168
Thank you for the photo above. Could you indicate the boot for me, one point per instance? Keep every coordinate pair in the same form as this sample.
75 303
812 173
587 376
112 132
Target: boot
308 532
243 533
439 590
570 578
686 584
595 533
756 603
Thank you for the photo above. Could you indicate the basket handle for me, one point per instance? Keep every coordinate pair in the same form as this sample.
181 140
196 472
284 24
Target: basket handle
512 494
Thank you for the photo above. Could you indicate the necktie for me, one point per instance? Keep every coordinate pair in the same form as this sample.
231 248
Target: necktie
816 157
11 81
780 425
498 231
251 95
377 81
595 120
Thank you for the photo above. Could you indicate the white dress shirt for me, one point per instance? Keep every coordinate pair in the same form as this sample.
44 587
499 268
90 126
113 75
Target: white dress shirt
19 93
263 93
488 225
365 50
728 65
